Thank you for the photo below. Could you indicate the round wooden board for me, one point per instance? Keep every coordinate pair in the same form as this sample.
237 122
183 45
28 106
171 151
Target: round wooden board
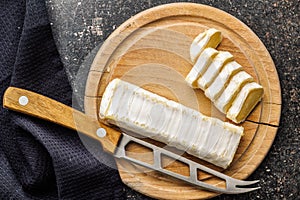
151 49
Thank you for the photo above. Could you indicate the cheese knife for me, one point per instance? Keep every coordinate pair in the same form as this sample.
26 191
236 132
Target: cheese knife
113 141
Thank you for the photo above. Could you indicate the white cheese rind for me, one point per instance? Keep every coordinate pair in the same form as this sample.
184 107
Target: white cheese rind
222 58
200 66
209 38
225 100
219 84
240 101
140 111
107 96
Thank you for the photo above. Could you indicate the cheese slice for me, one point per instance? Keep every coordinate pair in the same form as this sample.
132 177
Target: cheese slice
233 88
209 38
214 69
140 111
219 84
200 67
245 101
220 77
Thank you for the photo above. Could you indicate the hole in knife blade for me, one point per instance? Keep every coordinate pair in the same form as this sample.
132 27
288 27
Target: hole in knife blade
174 165
139 152
216 181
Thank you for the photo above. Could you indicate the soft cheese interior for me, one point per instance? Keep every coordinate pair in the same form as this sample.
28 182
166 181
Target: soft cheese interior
222 79
135 109
210 38
200 66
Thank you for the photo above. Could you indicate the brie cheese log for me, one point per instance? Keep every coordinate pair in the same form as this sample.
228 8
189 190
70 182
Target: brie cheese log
228 95
221 81
209 38
245 101
222 58
140 111
200 66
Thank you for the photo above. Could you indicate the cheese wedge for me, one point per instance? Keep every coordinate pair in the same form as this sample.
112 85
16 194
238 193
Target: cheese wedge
228 95
245 101
214 69
140 111
219 84
200 67
209 38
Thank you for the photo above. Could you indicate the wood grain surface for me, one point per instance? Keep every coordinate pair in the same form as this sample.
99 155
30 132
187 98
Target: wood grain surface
151 50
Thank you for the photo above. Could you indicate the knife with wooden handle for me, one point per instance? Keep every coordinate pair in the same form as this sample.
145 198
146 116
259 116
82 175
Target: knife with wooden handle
37 105
112 140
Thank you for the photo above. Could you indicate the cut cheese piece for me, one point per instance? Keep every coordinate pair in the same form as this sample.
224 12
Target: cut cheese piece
219 84
214 69
209 38
245 101
140 111
235 85
201 65
215 74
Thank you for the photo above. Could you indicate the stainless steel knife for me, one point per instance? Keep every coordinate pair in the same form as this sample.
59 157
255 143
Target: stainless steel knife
113 141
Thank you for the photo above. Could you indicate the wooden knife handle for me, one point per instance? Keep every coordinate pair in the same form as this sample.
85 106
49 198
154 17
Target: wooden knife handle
37 105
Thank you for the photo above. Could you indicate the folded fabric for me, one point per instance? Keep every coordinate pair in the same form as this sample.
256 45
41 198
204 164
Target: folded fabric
41 160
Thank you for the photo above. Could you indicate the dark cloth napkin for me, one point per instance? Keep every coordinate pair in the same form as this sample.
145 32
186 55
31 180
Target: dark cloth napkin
38 159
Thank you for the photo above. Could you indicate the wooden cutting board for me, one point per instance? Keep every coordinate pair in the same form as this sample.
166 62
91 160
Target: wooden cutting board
151 50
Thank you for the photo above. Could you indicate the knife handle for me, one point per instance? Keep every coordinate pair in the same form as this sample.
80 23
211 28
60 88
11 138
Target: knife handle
37 105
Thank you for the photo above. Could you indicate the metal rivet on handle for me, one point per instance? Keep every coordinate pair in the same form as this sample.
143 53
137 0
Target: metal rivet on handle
23 100
101 132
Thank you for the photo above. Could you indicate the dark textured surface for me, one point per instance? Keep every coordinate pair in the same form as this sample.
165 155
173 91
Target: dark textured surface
38 159
275 22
